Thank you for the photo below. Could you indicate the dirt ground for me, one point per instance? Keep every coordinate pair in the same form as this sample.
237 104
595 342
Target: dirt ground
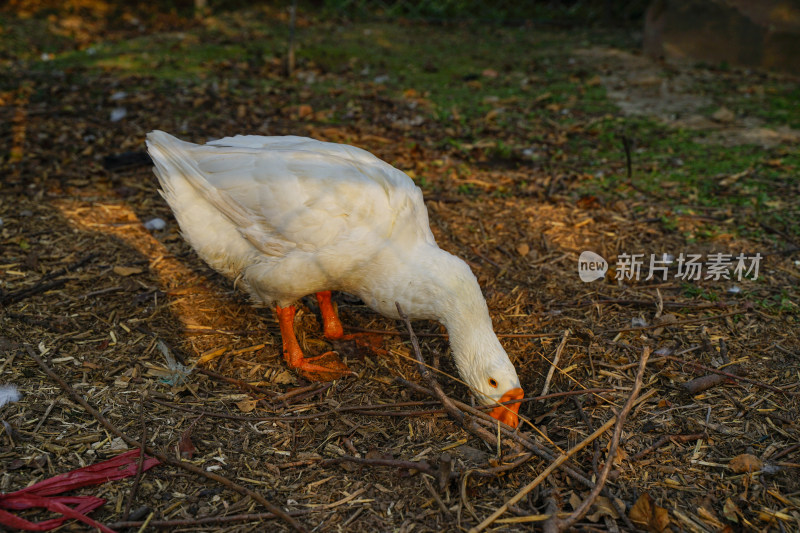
137 325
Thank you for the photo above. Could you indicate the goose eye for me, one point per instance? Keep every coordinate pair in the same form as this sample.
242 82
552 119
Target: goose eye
493 382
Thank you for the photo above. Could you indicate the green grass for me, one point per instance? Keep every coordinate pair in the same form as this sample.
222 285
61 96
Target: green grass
167 56
694 173
500 88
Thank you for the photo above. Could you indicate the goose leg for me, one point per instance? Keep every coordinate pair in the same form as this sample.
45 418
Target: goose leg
330 321
334 330
323 367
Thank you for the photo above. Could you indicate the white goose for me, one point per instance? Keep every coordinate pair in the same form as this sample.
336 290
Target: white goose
291 216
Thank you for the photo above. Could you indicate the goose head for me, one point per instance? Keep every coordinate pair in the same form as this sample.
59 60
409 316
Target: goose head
491 376
481 360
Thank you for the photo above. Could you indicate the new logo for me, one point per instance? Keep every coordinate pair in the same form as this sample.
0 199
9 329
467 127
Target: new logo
591 266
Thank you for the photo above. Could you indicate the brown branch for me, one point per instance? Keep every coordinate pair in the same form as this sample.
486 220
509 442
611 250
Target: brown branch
421 466
554 363
140 467
542 476
551 508
650 303
161 457
675 324
519 438
785 451
367 410
238 382
590 427
731 376
491 472
436 496
208 520
698 385
665 439
612 449
626 145
314 388
452 410
42 286
374 410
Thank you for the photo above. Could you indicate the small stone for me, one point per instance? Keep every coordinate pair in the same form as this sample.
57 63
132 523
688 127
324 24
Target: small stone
155 224
118 444
118 113
723 114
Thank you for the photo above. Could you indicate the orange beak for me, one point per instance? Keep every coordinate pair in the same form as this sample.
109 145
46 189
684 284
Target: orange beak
508 413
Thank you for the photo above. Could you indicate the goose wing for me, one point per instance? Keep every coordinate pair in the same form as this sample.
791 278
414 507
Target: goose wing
286 193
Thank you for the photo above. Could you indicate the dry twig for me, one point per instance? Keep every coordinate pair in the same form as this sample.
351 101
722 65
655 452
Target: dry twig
612 449
139 469
676 324
277 511
542 476
730 376
554 363
448 404
208 520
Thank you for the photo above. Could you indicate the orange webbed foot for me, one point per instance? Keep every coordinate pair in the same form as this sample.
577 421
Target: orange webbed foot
372 342
334 331
325 367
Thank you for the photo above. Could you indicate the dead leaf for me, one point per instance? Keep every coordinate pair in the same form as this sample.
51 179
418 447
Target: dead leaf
283 378
126 271
588 202
648 515
669 318
745 463
246 406
730 511
186 447
620 455
211 354
602 507
733 178
523 249
491 115
663 320
710 518
304 111
575 500
593 81
723 114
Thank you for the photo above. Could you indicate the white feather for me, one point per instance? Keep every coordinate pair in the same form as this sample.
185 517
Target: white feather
9 394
